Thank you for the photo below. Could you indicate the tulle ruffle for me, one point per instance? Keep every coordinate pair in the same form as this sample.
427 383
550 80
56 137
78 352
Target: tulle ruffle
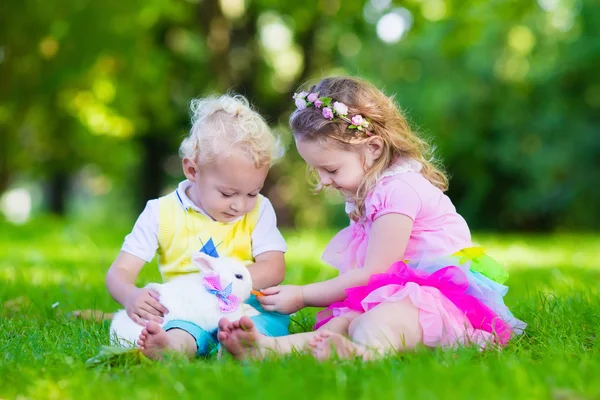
452 302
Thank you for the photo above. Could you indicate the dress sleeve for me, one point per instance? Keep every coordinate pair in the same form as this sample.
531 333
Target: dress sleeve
393 196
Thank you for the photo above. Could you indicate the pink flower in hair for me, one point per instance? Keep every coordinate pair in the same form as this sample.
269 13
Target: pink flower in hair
318 103
312 97
328 113
300 103
357 120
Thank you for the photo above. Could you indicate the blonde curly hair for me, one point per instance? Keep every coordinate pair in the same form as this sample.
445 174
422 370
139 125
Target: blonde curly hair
223 124
386 122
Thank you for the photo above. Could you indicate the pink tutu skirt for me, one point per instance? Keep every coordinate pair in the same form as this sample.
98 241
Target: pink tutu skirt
447 314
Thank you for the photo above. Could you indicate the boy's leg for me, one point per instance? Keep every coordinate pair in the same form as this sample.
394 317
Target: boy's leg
154 341
192 341
176 336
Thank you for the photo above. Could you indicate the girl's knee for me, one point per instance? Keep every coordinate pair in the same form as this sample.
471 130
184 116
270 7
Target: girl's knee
394 325
363 329
340 324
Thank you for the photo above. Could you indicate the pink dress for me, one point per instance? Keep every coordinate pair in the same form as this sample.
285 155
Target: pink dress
457 305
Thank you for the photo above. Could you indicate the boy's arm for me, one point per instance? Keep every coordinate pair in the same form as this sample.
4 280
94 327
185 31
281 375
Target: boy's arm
138 248
268 248
268 269
141 303
121 276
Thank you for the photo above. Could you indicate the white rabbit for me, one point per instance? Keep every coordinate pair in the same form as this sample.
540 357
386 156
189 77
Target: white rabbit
219 290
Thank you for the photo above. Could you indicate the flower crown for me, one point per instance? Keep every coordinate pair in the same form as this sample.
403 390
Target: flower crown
329 111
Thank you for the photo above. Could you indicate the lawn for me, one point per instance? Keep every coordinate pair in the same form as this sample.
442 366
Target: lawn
49 269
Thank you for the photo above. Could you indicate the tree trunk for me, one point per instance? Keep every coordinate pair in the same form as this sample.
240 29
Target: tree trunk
151 174
57 189
5 167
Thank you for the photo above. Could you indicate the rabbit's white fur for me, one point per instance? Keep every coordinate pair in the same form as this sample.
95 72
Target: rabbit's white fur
187 299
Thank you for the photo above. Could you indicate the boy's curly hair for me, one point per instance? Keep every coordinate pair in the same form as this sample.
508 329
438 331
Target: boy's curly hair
225 123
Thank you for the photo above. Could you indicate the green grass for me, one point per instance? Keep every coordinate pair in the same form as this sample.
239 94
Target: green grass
554 288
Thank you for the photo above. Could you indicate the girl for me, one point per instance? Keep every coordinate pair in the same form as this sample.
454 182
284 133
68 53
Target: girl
217 210
409 274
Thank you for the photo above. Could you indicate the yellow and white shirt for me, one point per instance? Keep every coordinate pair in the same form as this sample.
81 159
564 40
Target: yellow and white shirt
174 227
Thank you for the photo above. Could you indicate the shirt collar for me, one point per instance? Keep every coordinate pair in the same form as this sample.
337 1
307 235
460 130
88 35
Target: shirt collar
184 200
188 204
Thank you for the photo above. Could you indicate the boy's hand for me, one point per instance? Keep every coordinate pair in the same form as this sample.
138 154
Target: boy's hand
142 305
284 299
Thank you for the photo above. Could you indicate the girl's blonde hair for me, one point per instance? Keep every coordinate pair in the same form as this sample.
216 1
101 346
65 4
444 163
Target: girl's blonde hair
220 125
386 122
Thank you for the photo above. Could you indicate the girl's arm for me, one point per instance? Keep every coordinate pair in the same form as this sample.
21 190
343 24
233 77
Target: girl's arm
268 269
387 243
141 303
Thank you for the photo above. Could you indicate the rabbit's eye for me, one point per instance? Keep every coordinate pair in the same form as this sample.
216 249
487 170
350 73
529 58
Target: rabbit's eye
239 276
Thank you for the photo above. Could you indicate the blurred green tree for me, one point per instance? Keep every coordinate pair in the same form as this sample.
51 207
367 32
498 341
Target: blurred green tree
508 91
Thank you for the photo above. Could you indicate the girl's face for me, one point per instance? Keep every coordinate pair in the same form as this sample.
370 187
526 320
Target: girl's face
226 188
338 168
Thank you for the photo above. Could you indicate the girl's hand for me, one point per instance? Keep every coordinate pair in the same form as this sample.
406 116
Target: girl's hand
142 305
284 299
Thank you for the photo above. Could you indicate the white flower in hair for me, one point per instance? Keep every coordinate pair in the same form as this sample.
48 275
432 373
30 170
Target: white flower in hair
300 103
340 108
329 111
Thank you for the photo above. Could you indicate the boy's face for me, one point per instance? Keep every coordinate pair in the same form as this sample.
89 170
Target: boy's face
226 188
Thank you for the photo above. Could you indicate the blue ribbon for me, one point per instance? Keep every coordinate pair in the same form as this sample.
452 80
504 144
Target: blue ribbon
223 294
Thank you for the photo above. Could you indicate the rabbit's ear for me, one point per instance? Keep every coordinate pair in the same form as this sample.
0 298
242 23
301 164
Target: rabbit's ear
204 262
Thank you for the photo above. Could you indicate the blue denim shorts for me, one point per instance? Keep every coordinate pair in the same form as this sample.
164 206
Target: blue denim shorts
267 323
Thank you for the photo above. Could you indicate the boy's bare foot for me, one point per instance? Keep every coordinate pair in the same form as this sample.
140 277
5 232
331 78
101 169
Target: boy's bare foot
241 338
225 325
223 334
327 344
154 342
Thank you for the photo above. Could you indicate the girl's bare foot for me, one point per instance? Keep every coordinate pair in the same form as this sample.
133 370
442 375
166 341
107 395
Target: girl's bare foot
327 344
